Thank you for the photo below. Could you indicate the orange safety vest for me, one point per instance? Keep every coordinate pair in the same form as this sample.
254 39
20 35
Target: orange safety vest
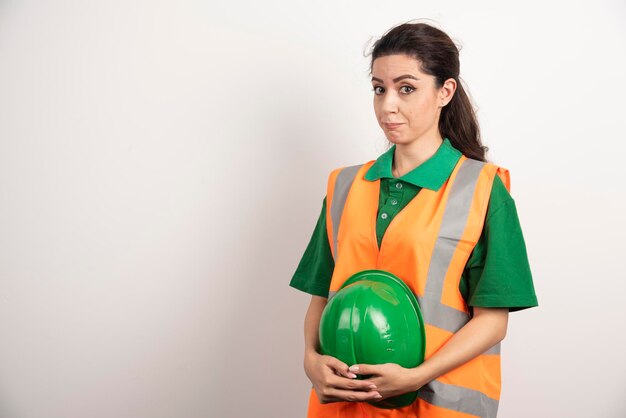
427 245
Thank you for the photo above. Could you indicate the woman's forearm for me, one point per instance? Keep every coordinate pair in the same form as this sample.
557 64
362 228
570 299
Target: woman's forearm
312 325
483 331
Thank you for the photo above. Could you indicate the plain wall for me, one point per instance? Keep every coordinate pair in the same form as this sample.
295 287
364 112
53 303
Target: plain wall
163 163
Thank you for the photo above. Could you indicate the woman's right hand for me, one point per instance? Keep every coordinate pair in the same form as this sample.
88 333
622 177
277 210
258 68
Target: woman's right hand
333 382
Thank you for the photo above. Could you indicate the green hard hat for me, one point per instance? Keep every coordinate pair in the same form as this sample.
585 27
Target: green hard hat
374 318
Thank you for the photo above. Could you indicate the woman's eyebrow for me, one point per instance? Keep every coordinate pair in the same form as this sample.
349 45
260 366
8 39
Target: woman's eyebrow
395 80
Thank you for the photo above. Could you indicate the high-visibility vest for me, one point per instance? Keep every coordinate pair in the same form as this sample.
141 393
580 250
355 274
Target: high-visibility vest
427 245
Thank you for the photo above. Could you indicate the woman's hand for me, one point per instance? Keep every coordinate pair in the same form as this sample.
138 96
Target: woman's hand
334 383
390 379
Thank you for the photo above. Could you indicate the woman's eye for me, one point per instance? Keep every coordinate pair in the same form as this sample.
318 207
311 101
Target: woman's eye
379 90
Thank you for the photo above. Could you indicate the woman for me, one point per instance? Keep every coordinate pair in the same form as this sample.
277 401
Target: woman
455 240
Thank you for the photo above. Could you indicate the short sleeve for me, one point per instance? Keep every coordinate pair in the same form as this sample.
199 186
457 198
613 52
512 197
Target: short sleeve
498 273
315 270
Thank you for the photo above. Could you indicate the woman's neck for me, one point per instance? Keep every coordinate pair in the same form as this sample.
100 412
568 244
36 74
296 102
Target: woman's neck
408 156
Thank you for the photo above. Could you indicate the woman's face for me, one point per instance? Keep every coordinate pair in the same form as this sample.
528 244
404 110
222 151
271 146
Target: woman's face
406 102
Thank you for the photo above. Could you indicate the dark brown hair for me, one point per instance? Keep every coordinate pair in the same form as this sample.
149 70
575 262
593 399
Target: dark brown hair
438 56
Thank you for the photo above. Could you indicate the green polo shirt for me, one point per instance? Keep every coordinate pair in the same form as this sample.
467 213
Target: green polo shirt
497 273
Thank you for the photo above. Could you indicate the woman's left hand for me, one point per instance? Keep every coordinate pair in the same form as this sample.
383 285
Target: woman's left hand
390 379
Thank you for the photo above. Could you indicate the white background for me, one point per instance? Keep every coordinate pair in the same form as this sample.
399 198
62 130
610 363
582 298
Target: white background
163 163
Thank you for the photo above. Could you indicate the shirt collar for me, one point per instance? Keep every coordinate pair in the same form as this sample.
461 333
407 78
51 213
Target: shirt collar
430 174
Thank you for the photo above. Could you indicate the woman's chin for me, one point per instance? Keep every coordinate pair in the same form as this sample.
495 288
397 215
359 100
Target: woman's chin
395 138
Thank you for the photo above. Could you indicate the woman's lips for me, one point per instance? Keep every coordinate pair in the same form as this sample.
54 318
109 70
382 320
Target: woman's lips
393 125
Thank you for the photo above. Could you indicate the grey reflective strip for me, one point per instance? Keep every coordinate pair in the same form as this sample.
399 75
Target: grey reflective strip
445 317
331 293
459 399
493 350
439 315
344 180
451 230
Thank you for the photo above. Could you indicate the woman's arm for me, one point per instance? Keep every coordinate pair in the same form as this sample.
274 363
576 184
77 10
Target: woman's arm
311 325
330 377
486 328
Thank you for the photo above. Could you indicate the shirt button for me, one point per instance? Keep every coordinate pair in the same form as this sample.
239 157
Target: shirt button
384 215
394 202
398 185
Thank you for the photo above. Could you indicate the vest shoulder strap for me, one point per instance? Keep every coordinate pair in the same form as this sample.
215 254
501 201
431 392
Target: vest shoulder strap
504 175
339 182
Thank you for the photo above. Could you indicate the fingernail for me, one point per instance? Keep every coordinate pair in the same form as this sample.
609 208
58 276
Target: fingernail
372 386
378 396
352 375
354 368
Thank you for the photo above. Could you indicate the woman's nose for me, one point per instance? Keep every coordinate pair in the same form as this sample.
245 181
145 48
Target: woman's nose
390 103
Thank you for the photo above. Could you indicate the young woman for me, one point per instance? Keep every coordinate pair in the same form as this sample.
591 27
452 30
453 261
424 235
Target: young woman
435 213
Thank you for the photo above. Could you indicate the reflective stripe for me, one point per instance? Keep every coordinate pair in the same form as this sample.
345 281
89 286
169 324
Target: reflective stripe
331 293
493 350
451 230
344 180
441 316
445 317
459 399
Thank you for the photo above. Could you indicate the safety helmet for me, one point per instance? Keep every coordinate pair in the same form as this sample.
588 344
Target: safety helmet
374 318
